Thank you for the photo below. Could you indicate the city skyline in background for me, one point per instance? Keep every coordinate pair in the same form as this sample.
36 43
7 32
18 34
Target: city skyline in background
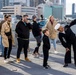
36 2
68 5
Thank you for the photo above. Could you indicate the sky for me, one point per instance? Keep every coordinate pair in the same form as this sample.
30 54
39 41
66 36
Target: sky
69 6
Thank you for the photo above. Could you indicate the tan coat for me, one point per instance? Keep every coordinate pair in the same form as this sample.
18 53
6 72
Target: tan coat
5 28
52 31
1 25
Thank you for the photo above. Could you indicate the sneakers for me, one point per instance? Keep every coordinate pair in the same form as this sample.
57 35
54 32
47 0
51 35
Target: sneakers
27 59
65 65
55 52
45 67
5 61
18 60
48 66
36 55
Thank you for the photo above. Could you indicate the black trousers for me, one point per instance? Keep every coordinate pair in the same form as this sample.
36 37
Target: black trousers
68 54
74 50
46 55
22 44
67 59
7 51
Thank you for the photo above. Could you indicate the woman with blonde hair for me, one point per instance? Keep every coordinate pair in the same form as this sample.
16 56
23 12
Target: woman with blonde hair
53 33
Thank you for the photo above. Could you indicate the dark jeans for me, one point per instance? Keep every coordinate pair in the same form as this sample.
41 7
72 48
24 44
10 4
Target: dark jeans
46 55
38 40
22 44
7 53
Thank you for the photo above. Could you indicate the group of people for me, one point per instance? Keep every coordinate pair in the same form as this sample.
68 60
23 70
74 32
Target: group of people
23 29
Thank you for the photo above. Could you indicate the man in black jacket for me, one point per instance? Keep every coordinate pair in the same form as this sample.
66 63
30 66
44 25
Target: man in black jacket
67 38
22 29
37 34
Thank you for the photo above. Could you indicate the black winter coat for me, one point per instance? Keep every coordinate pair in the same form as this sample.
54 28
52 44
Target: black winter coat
67 38
36 29
23 30
46 43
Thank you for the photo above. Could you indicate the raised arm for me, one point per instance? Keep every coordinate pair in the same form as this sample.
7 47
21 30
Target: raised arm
72 23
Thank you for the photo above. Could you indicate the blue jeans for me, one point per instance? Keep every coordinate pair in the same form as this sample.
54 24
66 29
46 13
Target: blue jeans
54 42
2 48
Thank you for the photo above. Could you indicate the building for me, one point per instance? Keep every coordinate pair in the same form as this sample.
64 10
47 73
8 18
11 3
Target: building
63 2
32 3
11 2
16 2
28 2
35 3
73 10
55 10
3 3
19 10
58 11
57 2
